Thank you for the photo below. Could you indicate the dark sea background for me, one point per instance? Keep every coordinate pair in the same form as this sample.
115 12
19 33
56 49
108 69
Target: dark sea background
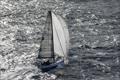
94 27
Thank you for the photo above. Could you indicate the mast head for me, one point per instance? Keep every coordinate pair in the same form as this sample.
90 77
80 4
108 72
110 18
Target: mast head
49 12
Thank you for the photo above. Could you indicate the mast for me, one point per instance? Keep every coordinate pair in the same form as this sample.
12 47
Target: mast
53 53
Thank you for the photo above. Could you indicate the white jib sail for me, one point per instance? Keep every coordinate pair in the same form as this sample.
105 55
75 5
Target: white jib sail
60 36
65 29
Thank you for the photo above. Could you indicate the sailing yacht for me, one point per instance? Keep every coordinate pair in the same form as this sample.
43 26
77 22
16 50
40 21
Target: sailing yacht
54 46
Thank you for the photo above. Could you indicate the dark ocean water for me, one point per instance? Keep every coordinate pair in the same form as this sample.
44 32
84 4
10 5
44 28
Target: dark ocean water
93 64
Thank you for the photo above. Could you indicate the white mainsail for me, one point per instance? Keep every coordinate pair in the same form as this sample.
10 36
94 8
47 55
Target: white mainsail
60 36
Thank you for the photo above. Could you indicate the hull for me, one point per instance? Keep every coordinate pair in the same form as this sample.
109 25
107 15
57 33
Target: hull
52 66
